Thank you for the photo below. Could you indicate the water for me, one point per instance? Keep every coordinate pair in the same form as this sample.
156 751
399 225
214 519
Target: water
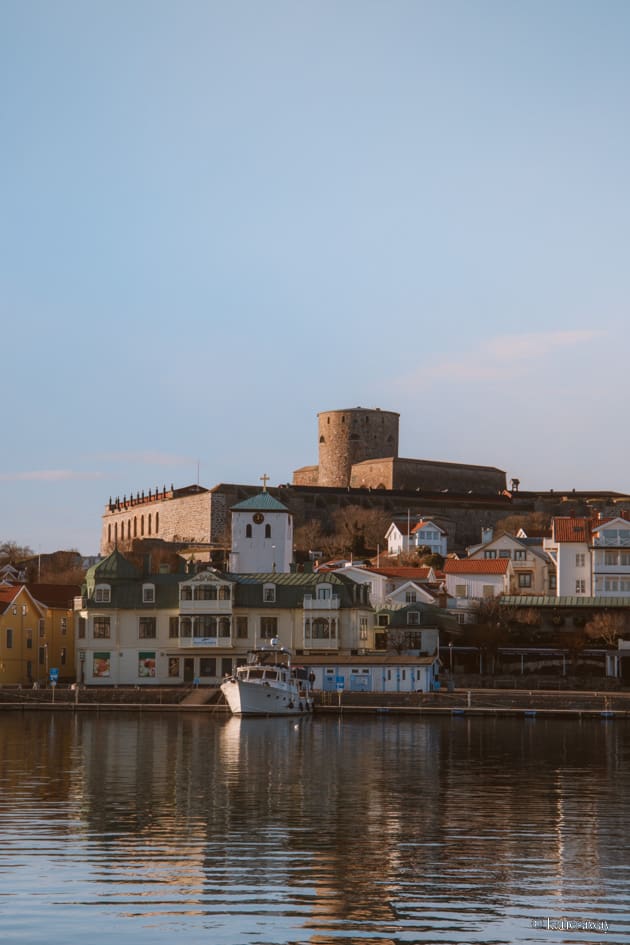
177 828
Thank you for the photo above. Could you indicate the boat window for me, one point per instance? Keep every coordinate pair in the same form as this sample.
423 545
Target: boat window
271 674
255 674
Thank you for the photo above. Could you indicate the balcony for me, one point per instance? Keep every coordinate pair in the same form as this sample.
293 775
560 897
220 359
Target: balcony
320 644
321 603
218 607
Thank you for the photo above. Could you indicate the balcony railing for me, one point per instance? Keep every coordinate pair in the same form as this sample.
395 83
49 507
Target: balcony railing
318 643
321 603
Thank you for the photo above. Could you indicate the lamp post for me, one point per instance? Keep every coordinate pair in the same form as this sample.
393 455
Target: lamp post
82 662
450 657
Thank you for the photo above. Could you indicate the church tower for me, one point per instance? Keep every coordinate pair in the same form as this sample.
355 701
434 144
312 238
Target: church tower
262 535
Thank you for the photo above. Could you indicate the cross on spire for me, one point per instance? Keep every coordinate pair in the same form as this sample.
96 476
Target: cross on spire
265 479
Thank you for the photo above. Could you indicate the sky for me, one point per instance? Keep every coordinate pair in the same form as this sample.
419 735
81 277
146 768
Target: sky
220 218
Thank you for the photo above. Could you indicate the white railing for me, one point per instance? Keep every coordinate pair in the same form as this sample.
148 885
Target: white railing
316 643
321 603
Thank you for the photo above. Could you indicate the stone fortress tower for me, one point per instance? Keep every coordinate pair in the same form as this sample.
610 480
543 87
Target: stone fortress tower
347 437
358 449
351 436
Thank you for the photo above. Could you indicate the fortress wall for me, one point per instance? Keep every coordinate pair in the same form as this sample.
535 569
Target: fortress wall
306 476
174 517
412 474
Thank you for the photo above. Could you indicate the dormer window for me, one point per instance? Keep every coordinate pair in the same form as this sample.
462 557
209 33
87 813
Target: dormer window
102 594
148 593
324 592
413 618
269 593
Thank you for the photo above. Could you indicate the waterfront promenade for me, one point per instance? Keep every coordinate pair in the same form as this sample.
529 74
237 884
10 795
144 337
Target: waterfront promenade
526 703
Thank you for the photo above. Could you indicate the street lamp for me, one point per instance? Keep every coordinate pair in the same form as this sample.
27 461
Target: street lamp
82 661
450 657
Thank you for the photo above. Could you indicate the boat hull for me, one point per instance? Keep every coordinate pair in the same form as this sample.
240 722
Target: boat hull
256 698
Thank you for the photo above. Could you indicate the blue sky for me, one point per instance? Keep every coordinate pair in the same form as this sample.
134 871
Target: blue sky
221 218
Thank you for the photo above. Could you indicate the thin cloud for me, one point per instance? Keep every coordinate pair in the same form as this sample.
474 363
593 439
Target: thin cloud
48 475
505 356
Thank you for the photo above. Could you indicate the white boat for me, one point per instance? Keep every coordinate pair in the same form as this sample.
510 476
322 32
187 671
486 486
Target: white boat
268 685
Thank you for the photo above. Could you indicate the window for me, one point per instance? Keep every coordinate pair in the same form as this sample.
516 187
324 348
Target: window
148 593
225 592
323 592
579 560
9 638
224 627
520 554
63 625
101 664
505 553
173 628
268 627
208 666
382 620
173 666
580 586
267 531
205 626
460 618
42 627
102 594
269 593
206 592
146 664
147 628
82 623
363 628
185 592
488 590
525 579
323 629
491 553
413 618
62 656
42 655
242 630
100 628
29 639
410 597
460 590
553 582
248 531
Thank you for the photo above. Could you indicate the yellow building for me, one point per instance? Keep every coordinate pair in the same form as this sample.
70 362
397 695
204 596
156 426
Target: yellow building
36 633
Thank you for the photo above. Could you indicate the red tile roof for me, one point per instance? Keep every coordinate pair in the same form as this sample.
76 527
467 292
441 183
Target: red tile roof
8 593
55 595
570 529
407 574
476 565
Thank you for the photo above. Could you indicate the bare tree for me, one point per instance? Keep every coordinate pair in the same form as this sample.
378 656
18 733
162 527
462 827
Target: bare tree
11 551
606 627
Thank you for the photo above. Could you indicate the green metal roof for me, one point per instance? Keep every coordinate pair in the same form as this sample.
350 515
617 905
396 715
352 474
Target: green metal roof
263 502
532 600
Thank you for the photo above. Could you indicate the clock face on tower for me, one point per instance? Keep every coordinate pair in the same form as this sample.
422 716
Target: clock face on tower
258 517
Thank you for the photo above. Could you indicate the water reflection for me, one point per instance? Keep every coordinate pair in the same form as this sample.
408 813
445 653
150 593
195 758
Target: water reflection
165 827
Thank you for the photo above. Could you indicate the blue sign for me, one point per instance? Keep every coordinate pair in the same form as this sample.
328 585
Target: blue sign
54 675
339 682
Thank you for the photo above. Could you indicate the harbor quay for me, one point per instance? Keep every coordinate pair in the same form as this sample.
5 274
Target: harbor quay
525 703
